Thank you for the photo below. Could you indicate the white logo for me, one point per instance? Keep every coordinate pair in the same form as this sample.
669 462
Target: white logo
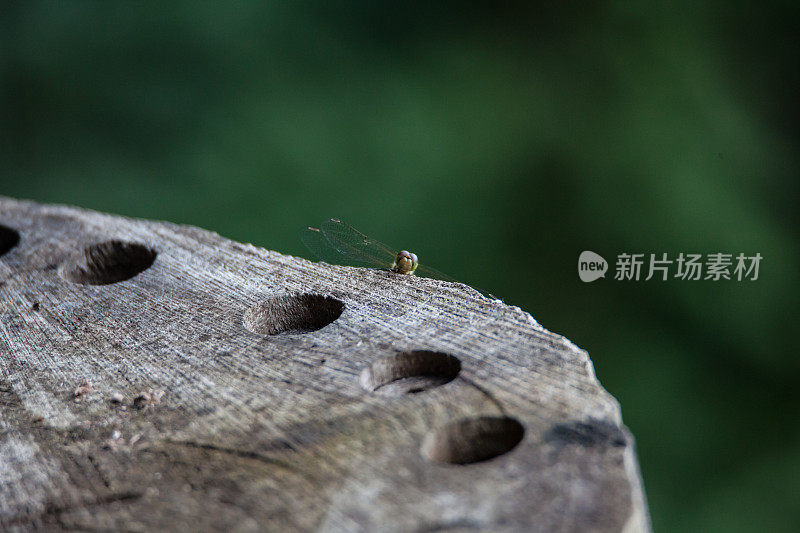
591 266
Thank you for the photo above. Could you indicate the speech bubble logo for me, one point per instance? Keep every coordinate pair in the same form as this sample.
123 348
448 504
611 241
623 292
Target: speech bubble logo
591 266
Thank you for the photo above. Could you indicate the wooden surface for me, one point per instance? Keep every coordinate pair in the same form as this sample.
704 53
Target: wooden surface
160 377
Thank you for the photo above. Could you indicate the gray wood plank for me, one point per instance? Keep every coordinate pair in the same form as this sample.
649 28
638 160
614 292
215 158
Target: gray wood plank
156 377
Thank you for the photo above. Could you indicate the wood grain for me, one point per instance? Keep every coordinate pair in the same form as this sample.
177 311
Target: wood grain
160 377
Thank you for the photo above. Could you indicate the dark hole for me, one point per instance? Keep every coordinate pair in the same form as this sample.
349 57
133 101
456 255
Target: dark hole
9 238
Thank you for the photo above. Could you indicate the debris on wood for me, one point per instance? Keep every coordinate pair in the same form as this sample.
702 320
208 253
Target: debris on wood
116 443
82 390
148 399
116 398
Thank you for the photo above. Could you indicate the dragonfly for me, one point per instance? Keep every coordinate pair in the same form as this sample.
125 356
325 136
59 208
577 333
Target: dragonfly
336 241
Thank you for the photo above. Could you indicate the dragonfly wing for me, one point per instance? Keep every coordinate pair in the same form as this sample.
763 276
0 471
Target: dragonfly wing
356 246
428 272
320 246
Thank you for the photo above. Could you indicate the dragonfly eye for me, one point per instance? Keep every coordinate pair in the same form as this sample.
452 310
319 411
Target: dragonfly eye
405 263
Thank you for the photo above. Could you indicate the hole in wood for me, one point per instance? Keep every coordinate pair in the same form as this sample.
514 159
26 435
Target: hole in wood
472 440
8 239
301 313
410 372
108 262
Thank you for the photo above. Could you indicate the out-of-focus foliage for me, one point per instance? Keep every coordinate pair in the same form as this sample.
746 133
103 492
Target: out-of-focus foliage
497 143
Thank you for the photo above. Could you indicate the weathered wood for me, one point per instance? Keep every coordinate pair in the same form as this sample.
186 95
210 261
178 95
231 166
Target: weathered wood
157 376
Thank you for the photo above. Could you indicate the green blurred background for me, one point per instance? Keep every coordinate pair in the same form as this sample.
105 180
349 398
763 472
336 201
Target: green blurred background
497 143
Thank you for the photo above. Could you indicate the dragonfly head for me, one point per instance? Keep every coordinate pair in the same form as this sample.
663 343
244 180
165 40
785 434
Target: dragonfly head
405 262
